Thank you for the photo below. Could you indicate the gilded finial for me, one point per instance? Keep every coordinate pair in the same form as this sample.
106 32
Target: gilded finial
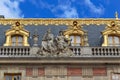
116 15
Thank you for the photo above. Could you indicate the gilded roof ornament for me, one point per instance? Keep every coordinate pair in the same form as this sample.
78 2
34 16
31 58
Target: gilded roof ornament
116 15
17 26
113 26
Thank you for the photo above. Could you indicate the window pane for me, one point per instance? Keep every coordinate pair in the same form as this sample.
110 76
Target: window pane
17 40
110 40
116 39
20 39
115 77
8 77
77 39
17 77
72 40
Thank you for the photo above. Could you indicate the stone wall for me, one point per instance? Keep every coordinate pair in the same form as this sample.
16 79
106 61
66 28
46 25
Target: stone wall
62 72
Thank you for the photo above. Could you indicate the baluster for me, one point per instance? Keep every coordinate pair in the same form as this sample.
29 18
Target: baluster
93 52
0 51
115 51
96 51
9 51
27 52
112 51
4 51
76 51
102 52
119 51
106 50
20 51
79 51
23 51
16 51
99 53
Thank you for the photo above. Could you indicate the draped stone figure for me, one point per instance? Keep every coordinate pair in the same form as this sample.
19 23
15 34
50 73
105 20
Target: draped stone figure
48 41
47 46
63 45
51 46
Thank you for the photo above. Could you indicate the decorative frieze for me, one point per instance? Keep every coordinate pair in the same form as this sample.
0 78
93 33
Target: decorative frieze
46 22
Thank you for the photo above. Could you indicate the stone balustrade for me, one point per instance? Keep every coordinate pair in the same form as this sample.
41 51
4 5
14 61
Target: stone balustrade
14 51
96 51
78 51
105 51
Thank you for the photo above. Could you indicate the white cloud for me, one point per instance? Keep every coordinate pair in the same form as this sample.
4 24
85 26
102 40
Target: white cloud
61 10
67 11
10 8
94 9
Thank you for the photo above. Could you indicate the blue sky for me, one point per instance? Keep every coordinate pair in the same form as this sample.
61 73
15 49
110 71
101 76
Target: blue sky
59 8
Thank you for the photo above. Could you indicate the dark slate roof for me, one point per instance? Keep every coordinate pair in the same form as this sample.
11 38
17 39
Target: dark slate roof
94 32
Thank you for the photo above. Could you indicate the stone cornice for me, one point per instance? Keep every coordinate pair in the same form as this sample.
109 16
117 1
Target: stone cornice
58 21
81 60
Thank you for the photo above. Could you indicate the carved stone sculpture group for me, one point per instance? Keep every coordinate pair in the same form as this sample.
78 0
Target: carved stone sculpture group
54 46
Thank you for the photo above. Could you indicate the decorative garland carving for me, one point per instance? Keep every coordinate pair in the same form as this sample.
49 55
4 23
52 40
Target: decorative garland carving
48 21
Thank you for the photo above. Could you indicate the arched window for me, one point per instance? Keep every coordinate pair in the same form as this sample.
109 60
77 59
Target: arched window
113 40
16 36
75 40
111 35
77 36
17 40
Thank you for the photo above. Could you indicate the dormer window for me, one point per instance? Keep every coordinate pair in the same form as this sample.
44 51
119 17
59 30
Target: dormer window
113 40
17 40
17 36
75 40
77 36
111 35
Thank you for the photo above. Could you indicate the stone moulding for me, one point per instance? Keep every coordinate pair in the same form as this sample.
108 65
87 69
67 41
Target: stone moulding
58 21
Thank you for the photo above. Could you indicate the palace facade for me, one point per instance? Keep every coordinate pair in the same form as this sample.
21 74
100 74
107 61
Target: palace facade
35 49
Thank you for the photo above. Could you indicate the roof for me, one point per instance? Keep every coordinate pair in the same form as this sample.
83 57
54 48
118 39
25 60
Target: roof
94 27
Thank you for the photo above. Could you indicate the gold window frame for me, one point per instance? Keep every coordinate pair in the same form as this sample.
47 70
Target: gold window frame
112 29
75 29
16 29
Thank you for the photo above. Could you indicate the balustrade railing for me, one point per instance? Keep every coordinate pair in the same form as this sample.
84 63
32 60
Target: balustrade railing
96 51
78 51
16 51
105 51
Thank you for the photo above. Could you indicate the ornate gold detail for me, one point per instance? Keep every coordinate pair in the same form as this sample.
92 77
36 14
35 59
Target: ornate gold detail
16 29
112 29
76 29
60 21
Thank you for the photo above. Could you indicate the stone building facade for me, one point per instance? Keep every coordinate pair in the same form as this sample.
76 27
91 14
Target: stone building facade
92 53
